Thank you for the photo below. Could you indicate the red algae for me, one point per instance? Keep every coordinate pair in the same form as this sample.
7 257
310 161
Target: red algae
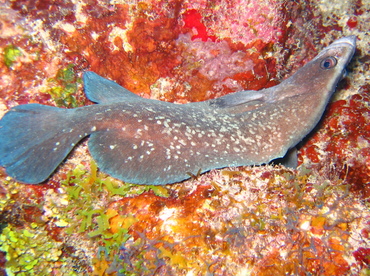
155 44
352 22
346 140
142 57
362 255
26 74
152 53
192 19
150 211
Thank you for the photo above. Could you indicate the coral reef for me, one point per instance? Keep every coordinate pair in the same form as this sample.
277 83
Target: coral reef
235 221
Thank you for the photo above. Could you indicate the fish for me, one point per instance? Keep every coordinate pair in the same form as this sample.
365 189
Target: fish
152 142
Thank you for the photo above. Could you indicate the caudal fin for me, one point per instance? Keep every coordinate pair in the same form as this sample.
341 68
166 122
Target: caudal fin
35 139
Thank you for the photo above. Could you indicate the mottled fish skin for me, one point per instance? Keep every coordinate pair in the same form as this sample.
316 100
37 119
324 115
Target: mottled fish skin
147 141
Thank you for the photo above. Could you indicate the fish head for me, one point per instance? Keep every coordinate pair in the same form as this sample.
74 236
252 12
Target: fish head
325 71
300 100
321 75
331 62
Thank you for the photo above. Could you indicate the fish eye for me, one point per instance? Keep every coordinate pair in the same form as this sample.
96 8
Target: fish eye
328 63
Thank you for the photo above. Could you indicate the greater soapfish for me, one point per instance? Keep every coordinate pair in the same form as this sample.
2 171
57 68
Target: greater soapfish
147 141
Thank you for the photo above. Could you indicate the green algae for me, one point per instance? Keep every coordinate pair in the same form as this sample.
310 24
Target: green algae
86 190
29 251
81 208
65 87
11 53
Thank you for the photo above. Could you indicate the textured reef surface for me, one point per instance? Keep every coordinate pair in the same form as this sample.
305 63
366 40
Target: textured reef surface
266 220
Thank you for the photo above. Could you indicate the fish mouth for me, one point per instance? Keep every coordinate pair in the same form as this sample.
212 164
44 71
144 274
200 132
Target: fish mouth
351 40
337 47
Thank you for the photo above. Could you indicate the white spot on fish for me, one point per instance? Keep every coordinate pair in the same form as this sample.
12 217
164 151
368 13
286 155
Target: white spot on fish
182 142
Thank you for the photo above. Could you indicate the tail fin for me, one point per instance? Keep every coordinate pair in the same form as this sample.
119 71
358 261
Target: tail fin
35 139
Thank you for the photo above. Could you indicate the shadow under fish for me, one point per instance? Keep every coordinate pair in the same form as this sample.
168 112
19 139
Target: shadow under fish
147 141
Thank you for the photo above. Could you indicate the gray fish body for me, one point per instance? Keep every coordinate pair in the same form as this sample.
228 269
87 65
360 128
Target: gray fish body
152 142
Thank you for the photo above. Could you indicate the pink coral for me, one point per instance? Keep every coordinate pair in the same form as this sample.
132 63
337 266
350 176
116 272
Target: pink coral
214 60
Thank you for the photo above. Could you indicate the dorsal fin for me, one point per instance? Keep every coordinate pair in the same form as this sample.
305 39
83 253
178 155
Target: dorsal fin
242 101
101 90
238 98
